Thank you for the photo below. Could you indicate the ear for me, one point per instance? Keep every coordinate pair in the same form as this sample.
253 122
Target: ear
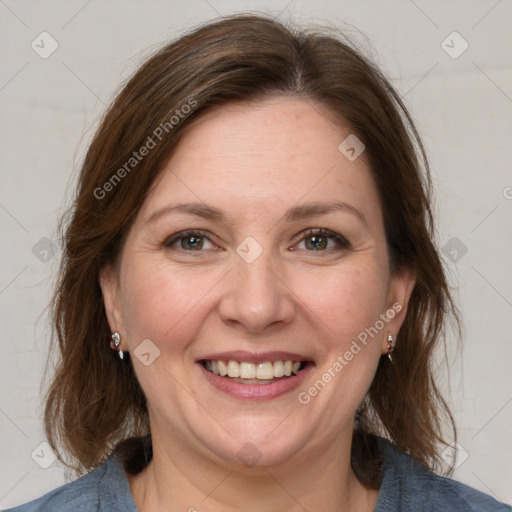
400 291
109 283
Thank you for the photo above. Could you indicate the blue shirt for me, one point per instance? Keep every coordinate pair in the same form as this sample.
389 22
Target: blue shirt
406 486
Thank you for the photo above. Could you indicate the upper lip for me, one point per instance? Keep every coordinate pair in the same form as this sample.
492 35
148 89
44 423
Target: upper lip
254 357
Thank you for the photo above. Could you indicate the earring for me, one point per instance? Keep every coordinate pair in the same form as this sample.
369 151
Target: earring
391 347
115 342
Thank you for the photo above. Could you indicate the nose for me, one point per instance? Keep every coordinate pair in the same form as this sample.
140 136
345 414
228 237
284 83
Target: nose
257 298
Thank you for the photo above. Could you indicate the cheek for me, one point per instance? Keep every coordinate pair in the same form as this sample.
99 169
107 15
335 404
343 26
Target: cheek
160 304
348 300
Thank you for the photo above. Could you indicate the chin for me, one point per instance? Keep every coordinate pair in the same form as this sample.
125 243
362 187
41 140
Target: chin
255 442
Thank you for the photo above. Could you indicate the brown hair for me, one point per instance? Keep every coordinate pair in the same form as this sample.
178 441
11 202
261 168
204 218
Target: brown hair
95 402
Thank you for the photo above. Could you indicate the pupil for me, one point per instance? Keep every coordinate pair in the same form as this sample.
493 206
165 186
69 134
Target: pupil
318 242
193 242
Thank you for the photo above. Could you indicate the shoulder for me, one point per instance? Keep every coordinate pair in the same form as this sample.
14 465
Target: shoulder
82 494
106 489
406 485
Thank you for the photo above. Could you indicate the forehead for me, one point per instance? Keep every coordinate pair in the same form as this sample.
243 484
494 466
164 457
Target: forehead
264 156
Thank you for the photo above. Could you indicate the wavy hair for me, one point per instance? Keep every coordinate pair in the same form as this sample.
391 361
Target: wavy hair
94 403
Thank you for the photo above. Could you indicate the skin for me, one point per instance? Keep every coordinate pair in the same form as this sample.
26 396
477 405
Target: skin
254 162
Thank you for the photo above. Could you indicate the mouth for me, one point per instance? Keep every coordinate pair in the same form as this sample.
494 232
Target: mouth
249 373
249 376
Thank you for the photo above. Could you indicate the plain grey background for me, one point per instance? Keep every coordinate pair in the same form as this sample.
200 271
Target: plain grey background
457 86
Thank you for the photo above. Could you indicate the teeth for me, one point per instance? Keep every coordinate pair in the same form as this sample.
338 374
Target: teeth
279 369
223 369
265 371
247 370
233 369
262 371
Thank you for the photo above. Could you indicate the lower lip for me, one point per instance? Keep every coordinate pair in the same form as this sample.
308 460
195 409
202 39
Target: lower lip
256 391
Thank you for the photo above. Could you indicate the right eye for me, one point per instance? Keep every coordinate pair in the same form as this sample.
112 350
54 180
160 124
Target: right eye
190 241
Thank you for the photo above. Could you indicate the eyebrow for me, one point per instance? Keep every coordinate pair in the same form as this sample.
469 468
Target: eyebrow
294 214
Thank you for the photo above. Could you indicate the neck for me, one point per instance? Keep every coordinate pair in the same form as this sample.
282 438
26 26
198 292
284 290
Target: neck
179 479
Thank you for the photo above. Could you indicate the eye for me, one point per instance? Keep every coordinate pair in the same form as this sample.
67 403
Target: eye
315 240
323 240
189 241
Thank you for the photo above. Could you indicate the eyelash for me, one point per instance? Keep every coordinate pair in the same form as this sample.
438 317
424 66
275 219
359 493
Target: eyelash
324 233
330 235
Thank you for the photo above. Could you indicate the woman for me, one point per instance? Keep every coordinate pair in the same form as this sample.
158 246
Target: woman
250 296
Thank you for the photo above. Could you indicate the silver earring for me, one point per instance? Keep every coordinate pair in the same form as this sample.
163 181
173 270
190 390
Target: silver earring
115 342
391 347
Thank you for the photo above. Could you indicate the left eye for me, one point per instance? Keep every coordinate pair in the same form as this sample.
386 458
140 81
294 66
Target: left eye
319 240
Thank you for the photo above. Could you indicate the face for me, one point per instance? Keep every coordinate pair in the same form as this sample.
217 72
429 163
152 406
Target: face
260 252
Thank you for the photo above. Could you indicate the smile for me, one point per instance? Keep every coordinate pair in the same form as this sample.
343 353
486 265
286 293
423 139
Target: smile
254 373
251 376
